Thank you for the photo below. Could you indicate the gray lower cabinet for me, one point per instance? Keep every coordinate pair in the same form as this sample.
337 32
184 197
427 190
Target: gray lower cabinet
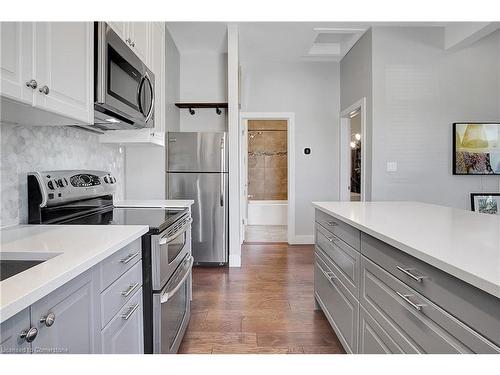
395 303
65 319
13 334
124 334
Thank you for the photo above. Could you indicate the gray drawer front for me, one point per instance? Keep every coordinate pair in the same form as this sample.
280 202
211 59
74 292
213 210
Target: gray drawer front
372 337
120 292
477 308
342 255
117 264
125 336
344 231
339 306
430 330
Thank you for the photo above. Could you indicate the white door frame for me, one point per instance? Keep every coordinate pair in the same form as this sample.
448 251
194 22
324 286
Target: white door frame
290 118
344 149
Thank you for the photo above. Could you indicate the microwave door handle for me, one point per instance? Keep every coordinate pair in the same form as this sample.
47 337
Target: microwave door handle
151 108
139 92
184 270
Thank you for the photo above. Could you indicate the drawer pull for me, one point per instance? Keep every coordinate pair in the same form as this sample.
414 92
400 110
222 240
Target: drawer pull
127 292
331 223
329 275
331 239
129 258
407 272
130 312
406 298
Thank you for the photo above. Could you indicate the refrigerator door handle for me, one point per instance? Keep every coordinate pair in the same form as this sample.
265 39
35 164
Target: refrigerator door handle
222 169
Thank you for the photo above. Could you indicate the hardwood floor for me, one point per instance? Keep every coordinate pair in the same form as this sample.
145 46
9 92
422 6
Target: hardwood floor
266 306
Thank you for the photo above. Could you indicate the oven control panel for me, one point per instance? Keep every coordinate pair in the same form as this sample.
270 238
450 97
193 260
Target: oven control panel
57 187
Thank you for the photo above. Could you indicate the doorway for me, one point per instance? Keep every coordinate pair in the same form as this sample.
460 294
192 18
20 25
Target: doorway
352 153
266 171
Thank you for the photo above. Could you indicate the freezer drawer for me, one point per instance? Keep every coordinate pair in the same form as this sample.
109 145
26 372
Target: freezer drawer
209 212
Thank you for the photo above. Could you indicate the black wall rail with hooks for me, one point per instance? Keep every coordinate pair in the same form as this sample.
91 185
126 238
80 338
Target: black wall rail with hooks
191 106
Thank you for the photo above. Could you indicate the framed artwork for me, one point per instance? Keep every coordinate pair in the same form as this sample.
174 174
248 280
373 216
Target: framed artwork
476 148
486 203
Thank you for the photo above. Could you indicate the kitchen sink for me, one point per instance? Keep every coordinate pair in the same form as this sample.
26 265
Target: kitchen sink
10 268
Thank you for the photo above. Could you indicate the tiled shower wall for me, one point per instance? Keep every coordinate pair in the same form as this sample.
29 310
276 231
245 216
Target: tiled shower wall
25 149
267 160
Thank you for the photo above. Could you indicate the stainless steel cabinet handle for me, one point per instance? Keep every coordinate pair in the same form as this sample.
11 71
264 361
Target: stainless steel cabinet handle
132 43
331 239
406 298
32 84
329 275
44 90
129 41
48 320
332 223
131 288
129 258
29 335
130 312
407 272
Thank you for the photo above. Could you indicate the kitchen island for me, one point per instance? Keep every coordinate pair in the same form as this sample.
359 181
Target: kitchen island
408 277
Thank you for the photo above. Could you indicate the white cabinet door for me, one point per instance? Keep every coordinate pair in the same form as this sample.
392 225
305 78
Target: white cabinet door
11 331
139 36
75 327
64 68
157 58
121 28
16 59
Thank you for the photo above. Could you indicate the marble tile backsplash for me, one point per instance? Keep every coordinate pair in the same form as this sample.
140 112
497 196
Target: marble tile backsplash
31 148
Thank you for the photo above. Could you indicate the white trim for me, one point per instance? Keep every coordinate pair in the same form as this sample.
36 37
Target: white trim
290 117
303 239
344 114
234 260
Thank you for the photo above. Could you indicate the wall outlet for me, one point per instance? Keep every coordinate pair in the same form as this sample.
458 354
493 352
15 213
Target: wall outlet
392 166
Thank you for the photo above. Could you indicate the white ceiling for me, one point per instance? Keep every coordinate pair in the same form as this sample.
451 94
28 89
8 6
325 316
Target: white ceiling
279 41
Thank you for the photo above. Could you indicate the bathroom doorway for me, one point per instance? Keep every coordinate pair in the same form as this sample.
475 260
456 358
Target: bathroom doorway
267 180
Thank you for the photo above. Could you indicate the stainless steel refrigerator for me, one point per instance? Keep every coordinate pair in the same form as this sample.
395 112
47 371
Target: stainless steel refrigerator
197 169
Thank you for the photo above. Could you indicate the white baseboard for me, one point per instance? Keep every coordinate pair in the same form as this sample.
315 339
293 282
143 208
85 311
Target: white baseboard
234 260
304 239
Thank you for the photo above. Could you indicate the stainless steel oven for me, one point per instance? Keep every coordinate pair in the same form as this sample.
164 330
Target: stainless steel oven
171 262
124 86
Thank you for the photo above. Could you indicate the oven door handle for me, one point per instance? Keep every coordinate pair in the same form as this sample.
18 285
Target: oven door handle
166 240
181 275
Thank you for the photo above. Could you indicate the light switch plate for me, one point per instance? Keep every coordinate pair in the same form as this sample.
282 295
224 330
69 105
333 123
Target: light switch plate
392 166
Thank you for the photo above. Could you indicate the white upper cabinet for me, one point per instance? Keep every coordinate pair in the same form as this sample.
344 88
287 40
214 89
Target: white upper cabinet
64 68
157 59
136 35
49 66
16 59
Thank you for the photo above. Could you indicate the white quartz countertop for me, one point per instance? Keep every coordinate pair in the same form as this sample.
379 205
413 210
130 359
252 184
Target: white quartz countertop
72 249
462 243
162 203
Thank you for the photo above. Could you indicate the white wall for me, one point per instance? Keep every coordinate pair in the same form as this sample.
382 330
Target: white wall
203 78
311 91
419 90
356 83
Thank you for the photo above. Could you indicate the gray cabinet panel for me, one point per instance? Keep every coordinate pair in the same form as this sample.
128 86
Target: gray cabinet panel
118 293
10 334
117 264
372 337
338 304
345 232
411 319
124 334
344 257
76 325
479 309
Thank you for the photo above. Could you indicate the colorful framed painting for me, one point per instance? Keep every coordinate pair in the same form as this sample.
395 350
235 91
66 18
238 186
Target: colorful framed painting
476 148
486 203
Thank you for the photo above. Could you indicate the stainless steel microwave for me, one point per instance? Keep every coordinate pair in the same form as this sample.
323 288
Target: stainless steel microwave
124 88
